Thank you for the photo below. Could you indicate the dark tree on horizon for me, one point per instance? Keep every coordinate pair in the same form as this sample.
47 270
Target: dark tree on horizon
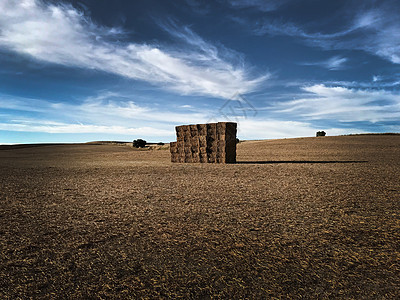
139 143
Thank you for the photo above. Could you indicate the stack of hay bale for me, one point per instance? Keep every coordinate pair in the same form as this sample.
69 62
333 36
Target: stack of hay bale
205 143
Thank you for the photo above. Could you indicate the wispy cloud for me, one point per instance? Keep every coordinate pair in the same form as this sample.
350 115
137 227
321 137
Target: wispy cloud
103 109
248 129
377 83
333 63
262 5
199 7
376 78
344 105
58 33
102 114
278 27
33 125
376 31
276 129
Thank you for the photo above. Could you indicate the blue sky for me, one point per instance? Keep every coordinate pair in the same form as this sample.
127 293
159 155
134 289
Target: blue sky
77 71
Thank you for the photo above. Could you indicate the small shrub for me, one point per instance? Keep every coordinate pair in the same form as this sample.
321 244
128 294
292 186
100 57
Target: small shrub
160 144
321 133
139 143
237 141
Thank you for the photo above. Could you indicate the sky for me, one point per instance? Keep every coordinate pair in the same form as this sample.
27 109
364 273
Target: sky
90 70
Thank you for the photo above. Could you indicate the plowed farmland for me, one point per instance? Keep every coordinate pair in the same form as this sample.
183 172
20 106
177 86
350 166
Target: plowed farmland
293 218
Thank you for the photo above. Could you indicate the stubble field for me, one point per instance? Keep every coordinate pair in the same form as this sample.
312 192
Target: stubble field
294 218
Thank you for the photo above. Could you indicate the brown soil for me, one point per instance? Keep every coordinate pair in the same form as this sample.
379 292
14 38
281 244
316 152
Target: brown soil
295 218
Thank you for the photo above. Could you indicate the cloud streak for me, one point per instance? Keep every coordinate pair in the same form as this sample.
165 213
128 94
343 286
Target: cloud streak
262 5
376 31
102 109
333 63
60 34
344 105
102 114
32 125
277 129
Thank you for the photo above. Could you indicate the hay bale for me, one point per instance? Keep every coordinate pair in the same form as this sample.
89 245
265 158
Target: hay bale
193 131
203 150
202 129
213 142
187 149
173 147
203 141
203 158
196 157
188 157
212 130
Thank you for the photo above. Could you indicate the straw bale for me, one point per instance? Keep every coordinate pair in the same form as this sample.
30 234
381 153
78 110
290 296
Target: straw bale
211 157
210 140
173 147
212 147
196 158
212 130
187 137
202 129
203 158
230 133
195 142
188 158
193 130
179 132
203 150
221 144
179 129
213 142
221 126
231 128
187 149
202 141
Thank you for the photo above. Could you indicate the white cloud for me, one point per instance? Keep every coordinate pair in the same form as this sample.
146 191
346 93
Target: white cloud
367 19
378 82
277 27
272 129
344 104
128 112
247 129
376 31
333 63
276 129
60 34
103 115
102 109
336 63
376 78
32 125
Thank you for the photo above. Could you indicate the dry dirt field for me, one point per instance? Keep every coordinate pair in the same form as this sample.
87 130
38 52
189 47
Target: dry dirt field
294 218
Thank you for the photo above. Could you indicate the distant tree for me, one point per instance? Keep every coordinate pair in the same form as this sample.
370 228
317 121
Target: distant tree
321 133
160 144
237 141
139 143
